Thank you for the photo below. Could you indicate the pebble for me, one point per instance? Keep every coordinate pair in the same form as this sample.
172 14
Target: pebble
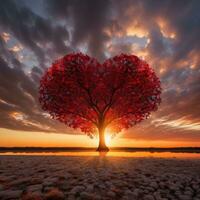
90 188
33 188
185 197
20 181
148 197
77 189
111 194
154 185
86 196
55 194
10 194
32 196
1 187
84 178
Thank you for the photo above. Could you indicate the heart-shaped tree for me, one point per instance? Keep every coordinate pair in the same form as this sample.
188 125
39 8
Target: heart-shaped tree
85 94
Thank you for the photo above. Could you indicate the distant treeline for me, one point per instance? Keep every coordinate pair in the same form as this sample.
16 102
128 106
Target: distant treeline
79 149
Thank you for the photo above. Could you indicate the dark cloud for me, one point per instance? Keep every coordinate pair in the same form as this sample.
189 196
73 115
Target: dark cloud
100 28
19 105
181 17
32 30
176 55
89 18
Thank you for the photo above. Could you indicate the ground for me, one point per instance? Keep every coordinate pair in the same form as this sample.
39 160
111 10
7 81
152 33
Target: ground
93 177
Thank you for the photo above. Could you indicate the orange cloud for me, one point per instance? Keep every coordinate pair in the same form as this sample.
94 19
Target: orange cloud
181 123
136 30
165 28
5 36
17 48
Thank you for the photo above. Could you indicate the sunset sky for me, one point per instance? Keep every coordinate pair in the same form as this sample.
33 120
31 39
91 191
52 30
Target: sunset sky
165 33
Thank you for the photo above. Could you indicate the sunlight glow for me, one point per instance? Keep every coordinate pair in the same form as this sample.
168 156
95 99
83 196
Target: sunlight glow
10 138
136 31
108 139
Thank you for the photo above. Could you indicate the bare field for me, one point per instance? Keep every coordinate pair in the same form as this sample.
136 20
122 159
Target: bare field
98 177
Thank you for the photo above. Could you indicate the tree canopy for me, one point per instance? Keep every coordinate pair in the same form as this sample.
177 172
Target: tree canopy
82 93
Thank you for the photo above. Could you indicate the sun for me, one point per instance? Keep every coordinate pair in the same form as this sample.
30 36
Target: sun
108 138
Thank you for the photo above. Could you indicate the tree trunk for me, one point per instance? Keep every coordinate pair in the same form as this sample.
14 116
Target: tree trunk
102 145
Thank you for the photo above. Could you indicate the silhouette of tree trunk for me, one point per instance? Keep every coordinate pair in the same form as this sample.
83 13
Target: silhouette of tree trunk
102 144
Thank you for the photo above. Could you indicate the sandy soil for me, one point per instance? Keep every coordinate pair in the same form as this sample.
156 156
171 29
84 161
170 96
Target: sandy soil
61 177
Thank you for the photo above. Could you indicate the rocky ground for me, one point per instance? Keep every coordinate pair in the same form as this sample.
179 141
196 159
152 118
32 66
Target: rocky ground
61 177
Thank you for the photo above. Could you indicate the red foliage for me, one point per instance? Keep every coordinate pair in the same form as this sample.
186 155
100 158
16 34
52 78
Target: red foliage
84 94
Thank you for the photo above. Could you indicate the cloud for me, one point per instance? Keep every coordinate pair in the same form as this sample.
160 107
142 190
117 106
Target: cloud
19 102
16 48
33 31
181 123
164 33
89 19
5 36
